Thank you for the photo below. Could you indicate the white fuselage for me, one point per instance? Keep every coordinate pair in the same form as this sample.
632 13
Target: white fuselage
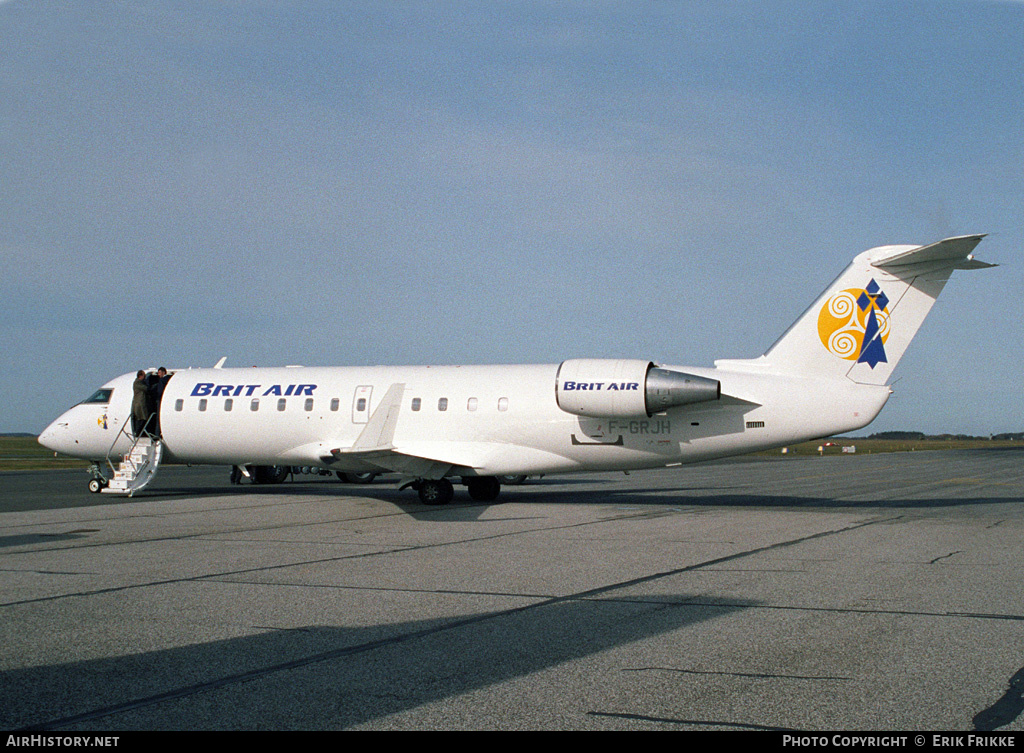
458 420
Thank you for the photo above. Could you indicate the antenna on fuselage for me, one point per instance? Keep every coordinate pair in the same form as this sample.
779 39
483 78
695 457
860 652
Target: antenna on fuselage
220 363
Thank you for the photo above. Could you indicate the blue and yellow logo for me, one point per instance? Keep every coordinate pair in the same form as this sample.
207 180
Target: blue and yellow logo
854 324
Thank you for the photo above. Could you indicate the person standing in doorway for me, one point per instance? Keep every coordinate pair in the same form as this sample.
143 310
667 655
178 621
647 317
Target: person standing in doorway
140 404
156 393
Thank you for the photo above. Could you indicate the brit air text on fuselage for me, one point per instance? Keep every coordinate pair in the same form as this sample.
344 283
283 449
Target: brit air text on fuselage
209 389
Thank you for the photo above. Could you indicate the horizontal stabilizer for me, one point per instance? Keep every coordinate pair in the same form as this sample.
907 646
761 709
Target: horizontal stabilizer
953 253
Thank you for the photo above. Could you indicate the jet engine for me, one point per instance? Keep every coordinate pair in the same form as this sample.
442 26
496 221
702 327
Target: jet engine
608 388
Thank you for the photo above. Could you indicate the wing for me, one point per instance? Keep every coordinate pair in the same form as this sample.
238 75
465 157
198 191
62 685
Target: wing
436 459
375 446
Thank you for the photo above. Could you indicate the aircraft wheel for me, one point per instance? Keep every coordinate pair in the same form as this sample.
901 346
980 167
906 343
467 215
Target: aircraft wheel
436 491
357 478
513 480
483 488
270 474
96 485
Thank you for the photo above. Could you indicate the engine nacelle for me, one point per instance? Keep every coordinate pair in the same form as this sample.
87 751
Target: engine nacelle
608 388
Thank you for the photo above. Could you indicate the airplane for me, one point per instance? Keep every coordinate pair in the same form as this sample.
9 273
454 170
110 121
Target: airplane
827 374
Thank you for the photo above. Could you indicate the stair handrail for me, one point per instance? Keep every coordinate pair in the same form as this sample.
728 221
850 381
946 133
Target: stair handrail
135 439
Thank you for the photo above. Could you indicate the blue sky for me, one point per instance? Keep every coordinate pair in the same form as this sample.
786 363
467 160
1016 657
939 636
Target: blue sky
348 183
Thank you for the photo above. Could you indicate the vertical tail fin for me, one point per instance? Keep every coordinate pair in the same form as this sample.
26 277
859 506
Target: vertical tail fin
863 322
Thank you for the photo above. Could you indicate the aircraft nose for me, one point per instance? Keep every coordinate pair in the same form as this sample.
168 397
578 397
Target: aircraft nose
57 436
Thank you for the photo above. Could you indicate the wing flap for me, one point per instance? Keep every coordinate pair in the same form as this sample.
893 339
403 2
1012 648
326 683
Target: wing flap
436 459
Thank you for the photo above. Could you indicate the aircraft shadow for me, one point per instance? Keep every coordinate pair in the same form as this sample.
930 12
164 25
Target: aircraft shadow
697 497
322 677
27 539
558 490
679 496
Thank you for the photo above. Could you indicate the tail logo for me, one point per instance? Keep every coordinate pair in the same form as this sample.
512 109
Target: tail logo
854 324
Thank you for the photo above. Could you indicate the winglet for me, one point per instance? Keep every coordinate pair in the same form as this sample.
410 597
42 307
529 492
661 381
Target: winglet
379 432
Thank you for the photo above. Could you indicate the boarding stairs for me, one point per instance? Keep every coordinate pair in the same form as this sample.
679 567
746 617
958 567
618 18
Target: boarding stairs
137 467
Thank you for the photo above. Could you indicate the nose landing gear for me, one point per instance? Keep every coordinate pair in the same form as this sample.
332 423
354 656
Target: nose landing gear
98 482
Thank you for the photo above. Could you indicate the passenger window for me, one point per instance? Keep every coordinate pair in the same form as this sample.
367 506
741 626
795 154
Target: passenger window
415 403
229 404
202 404
503 403
179 405
335 403
471 405
255 404
361 404
442 404
309 404
281 403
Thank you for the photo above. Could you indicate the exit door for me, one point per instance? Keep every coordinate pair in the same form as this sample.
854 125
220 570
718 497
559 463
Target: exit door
361 404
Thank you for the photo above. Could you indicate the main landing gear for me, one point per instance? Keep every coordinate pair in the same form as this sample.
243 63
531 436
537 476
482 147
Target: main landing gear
483 488
435 491
357 478
440 491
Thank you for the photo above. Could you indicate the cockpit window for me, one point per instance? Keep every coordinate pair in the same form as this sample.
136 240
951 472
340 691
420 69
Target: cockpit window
100 396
